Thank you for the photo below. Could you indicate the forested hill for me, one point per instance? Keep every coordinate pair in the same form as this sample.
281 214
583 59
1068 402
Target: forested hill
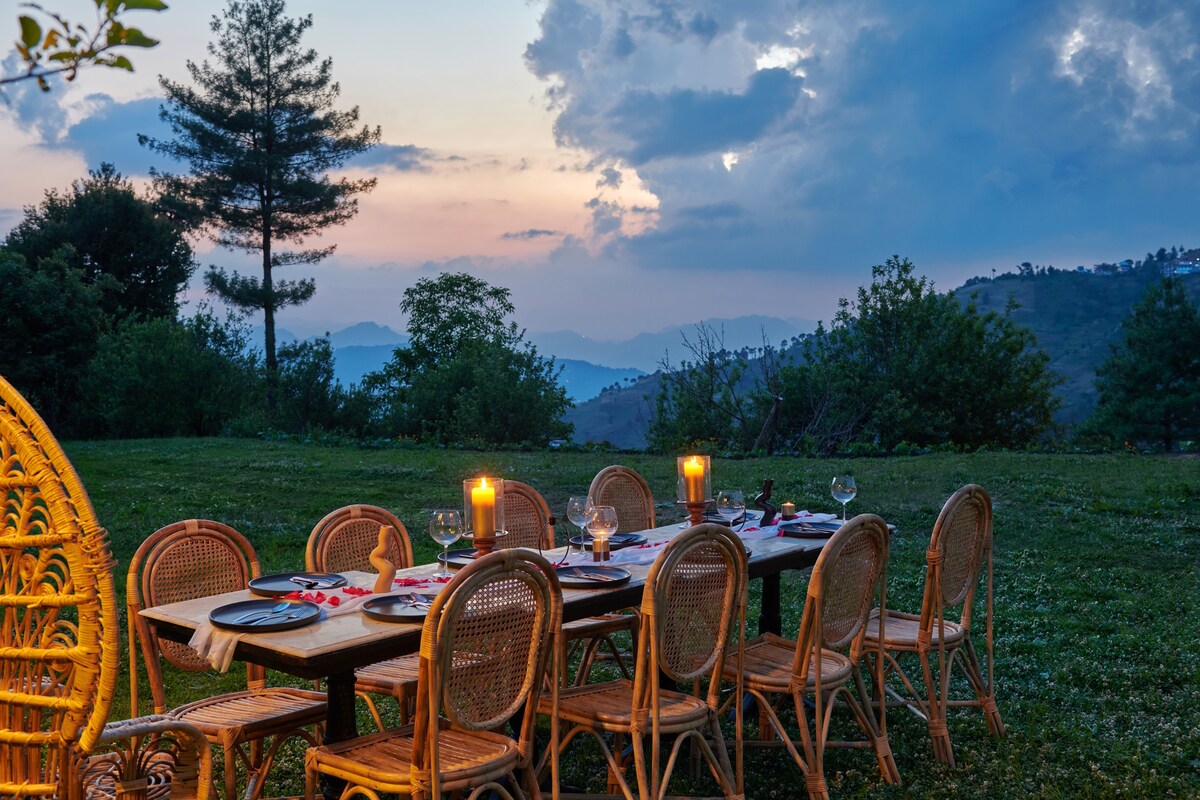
1076 317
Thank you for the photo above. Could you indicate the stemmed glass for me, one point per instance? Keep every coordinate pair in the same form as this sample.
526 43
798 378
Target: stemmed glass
445 528
579 512
731 504
843 490
601 525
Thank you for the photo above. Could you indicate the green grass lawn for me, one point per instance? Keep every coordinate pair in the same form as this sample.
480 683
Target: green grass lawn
1097 580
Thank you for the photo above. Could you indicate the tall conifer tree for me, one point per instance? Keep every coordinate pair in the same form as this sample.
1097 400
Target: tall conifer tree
259 133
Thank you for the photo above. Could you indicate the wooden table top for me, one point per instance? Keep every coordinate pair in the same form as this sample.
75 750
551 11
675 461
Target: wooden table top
345 642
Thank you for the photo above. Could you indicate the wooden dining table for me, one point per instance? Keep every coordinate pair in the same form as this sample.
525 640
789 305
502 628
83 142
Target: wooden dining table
332 648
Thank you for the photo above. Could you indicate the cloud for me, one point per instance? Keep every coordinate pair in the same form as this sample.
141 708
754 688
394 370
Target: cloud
530 234
109 133
860 128
398 157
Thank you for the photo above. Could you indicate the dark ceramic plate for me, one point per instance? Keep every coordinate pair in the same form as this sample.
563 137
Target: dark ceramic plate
260 616
615 542
458 558
409 608
282 583
810 530
587 576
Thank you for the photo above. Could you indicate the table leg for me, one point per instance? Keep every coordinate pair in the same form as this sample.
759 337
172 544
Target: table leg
770 619
340 722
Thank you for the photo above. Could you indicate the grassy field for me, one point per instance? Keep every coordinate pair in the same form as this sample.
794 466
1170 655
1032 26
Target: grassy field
1097 575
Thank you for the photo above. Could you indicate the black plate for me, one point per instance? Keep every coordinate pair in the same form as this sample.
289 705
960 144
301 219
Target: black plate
810 530
282 583
615 542
458 558
570 578
299 614
397 608
710 516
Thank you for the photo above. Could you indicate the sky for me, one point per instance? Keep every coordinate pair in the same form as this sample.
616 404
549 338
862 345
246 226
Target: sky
626 165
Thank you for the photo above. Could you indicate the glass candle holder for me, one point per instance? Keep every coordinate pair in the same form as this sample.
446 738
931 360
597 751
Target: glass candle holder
483 506
695 479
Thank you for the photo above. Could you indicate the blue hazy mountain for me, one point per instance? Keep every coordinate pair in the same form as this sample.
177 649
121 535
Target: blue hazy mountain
646 351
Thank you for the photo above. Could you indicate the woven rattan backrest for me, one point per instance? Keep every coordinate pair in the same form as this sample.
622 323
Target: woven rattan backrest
692 592
526 517
58 616
846 577
627 492
182 561
344 539
961 532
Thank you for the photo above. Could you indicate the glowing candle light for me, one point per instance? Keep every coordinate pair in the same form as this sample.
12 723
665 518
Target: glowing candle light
483 509
693 478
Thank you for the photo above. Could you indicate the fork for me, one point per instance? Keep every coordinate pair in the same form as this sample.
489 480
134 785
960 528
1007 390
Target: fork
263 612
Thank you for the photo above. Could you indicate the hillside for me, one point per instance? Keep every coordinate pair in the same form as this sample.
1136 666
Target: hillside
1076 318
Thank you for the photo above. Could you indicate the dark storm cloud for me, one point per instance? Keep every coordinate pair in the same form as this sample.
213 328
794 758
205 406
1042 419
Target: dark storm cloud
864 128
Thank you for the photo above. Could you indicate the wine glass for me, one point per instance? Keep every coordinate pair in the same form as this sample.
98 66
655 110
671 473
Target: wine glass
843 490
602 524
731 505
579 511
445 528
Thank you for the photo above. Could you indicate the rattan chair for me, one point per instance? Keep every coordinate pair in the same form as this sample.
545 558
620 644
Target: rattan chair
199 558
485 648
527 518
960 546
693 607
59 647
342 542
827 657
627 492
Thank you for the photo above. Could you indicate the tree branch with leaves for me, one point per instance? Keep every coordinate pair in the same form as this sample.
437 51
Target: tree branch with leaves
59 47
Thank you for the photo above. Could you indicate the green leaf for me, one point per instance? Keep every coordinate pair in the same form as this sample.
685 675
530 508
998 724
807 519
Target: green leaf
31 31
135 38
148 5
121 62
62 55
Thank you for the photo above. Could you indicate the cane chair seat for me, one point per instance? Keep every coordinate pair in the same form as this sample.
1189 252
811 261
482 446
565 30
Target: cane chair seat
385 759
609 707
768 665
200 558
385 676
903 631
958 565
693 609
485 647
819 669
253 715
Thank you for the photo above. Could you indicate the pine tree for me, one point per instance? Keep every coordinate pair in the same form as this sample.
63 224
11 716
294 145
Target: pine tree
259 132
1150 386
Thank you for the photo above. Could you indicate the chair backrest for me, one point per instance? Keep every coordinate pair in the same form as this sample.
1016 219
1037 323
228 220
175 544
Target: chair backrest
627 492
693 601
852 567
182 561
961 538
527 518
344 539
484 652
58 614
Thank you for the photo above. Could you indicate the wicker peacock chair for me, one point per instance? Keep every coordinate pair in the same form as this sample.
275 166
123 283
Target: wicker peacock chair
59 646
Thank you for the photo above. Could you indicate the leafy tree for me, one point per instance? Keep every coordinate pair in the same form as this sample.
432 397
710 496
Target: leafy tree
122 243
259 133
61 47
915 366
48 332
1150 386
468 375
164 377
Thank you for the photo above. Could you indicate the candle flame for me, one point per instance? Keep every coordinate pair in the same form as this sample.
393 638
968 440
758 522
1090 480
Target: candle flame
695 462
483 483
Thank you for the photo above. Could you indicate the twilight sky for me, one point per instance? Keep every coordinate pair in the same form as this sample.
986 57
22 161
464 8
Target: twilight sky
625 165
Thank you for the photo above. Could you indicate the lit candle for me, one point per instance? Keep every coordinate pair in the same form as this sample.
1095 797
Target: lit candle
483 509
693 480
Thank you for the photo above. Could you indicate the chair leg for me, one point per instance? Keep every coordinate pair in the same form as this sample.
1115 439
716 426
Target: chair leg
986 694
936 695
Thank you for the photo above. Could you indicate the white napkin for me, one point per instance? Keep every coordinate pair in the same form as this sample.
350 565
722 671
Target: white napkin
639 554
